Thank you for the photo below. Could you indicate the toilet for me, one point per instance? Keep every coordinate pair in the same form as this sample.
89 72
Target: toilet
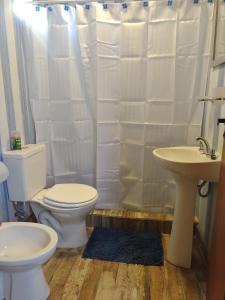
63 207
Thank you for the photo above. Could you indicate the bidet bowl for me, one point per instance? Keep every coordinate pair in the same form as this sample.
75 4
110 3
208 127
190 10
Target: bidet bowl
24 246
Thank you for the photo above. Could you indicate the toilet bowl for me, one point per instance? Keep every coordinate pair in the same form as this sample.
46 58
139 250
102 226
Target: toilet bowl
24 247
64 207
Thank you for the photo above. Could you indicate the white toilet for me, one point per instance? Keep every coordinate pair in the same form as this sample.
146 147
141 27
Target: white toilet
63 207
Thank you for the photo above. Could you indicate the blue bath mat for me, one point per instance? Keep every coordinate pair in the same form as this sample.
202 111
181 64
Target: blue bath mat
131 247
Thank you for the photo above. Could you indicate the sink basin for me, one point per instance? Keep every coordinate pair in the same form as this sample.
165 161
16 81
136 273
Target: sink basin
189 162
187 166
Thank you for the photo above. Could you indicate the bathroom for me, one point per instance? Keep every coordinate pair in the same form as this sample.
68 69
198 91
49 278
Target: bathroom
106 100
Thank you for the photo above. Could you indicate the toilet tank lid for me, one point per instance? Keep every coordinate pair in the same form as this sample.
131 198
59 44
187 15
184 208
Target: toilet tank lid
26 151
71 193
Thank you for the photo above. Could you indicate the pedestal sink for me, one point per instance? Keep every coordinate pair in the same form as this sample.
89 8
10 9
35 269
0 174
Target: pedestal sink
187 165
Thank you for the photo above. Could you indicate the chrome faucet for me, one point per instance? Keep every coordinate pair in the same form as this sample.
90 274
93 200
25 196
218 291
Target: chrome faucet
204 146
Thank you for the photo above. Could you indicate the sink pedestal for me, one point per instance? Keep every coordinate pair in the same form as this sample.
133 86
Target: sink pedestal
180 245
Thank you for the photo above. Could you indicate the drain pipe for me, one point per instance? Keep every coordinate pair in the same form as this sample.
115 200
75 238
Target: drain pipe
20 211
201 186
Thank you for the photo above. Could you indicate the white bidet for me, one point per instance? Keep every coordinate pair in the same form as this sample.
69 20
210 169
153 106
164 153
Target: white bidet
24 247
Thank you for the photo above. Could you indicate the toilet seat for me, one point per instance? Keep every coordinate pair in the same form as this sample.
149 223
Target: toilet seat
50 204
70 195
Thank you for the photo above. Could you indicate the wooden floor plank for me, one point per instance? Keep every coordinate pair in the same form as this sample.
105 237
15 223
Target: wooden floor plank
157 283
74 283
107 284
91 280
68 260
190 286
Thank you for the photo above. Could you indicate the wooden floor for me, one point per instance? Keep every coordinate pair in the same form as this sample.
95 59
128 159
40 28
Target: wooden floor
72 277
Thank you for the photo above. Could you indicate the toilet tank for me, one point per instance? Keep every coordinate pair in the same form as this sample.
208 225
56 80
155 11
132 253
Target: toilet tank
27 172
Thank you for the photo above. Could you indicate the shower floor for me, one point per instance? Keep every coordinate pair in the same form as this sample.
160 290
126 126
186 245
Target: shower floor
72 277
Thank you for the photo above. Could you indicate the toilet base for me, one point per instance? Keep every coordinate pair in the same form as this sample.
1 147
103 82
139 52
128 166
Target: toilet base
24 285
73 234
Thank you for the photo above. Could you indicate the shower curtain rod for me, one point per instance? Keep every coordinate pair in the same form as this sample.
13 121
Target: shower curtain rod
44 2
51 2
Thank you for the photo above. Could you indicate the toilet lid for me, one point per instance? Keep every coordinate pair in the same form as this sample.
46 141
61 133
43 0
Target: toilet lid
70 194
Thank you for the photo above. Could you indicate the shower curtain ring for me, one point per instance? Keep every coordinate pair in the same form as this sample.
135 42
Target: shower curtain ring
124 5
37 7
66 7
87 6
145 3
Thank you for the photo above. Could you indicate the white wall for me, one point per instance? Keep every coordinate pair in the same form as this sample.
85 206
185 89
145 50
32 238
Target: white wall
7 8
8 70
4 144
214 134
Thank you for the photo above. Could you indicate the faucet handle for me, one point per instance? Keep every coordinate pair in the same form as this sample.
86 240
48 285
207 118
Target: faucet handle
213 154
221 121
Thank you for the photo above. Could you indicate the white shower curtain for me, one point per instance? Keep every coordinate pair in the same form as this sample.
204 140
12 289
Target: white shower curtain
62 106
108 83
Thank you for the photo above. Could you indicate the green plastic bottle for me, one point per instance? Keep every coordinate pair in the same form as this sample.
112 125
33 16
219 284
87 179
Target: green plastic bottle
15 140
